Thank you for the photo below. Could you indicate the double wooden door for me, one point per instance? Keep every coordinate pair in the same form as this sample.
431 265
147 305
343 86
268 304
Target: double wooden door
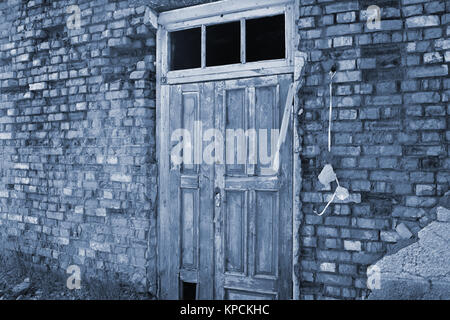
228 224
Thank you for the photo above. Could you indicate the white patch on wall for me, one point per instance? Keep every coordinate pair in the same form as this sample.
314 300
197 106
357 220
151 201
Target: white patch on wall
373 17
74 280
74 18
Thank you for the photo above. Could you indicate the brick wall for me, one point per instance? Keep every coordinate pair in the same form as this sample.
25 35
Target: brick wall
390 134
78 177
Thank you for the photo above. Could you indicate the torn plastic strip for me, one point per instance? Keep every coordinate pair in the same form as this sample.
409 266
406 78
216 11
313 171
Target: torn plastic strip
332 74
326 207
326 177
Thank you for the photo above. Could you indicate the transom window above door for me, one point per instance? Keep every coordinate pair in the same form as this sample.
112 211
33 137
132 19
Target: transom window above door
243 41
227 39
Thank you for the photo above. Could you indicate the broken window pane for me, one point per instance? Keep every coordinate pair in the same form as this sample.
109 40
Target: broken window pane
266 38
186 49
223 44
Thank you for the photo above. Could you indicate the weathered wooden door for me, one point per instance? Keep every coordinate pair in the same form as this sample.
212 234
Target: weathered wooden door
230 221
253 230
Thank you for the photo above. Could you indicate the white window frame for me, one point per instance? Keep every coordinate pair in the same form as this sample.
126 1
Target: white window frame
222 12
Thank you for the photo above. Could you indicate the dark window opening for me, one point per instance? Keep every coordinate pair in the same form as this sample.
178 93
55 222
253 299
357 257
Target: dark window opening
186 49
223 44
266 38
189 291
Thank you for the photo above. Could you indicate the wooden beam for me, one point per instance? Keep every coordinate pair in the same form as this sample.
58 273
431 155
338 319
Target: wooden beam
219 7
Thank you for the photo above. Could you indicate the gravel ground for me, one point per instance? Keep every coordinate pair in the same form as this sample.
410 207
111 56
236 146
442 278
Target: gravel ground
20 282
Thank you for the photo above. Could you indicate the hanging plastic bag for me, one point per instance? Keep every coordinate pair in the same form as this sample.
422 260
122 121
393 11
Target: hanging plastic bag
342 193
326 177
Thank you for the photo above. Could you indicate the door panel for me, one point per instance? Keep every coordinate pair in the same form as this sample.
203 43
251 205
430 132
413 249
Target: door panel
236 118
231 223
267 117
190 113
266 235
188 225
235 220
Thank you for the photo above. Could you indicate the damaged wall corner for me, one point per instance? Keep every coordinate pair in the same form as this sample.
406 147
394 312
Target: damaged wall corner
151 18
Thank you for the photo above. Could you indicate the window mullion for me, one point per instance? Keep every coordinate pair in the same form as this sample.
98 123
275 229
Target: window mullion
203 46
243 42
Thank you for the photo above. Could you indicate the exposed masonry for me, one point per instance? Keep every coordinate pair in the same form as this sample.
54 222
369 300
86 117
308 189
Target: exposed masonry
78 177
78 180
390 134
420 271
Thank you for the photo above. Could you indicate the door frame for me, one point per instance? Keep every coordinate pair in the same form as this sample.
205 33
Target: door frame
220 11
